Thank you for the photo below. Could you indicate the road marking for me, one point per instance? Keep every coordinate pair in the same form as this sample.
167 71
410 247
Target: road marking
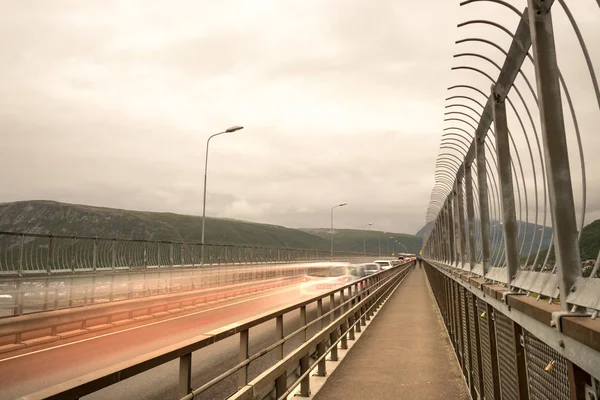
150 324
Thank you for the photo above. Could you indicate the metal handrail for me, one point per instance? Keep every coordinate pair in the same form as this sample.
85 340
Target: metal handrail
97 380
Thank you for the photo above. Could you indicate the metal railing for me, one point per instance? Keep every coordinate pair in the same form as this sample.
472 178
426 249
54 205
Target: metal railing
29 253
504 176
496 194
349 307
53 293
510 346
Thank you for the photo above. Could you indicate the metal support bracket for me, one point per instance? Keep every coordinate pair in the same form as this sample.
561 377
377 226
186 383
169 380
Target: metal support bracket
557 316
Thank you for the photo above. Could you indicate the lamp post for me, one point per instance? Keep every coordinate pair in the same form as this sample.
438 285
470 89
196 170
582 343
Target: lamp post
365 237
228 130
331 232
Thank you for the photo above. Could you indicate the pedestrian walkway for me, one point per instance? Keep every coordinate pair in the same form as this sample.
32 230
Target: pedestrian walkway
404 354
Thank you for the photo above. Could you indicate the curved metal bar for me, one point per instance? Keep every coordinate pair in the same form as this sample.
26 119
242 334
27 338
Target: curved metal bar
469 87
485 22
456 141
461 113
567 95
465 97
445 164
535 131
461 130
505 54
472 69
452 161
464 106
457 149
586 55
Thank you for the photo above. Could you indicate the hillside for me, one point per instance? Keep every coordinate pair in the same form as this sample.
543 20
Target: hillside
354 239
73 219
528 239
589 245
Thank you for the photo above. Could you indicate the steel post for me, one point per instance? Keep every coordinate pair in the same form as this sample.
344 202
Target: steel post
458 187
509 215
243 356
456 227
451 252
185 375
484 207
562 206
470 215
278 337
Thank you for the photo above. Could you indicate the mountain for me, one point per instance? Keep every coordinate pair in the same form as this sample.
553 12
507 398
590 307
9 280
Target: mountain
82 220
524 227
49 217
589 245
375 242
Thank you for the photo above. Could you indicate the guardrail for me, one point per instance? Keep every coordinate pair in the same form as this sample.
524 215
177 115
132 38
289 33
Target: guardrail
356 303
29 253
44 294
499 185
513 346
41 328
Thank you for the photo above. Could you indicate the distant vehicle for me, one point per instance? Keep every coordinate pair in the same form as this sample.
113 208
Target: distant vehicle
384 264
328 277
371 268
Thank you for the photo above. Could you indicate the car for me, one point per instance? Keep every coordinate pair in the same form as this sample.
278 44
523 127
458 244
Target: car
371 268
328 276
384 264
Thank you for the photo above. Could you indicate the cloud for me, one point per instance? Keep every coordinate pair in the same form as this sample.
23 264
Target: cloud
111 102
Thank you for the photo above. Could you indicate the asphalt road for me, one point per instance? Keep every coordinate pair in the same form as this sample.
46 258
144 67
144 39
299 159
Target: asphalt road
30 372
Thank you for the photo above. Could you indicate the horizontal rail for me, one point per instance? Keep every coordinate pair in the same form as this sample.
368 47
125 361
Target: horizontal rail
24 254
370 287
529 342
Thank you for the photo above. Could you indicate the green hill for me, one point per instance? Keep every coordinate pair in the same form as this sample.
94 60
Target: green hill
82 220
531 242
49 217
375 242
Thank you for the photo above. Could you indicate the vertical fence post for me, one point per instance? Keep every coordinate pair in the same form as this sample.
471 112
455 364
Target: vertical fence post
460 205
562 206
470 215
243 356
185 375
50 255
484 207
113 252
171 261
457 233
278 337
95 255
21 254
509 215
451 252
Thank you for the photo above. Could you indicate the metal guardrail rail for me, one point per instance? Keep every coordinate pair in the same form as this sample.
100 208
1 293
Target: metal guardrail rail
46 294
511 346
350 306
24 254
522 317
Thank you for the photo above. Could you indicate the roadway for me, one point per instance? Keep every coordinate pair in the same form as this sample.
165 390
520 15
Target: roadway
29 372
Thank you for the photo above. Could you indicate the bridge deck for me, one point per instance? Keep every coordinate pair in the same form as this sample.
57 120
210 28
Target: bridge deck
404 354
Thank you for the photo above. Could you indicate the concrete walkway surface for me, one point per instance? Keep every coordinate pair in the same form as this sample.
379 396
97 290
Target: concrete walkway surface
404 354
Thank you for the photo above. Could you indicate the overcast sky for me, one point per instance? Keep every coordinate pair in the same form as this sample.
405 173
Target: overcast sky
110 103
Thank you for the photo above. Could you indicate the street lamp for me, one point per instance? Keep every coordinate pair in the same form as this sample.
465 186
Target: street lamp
228 130
331 232
365 237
